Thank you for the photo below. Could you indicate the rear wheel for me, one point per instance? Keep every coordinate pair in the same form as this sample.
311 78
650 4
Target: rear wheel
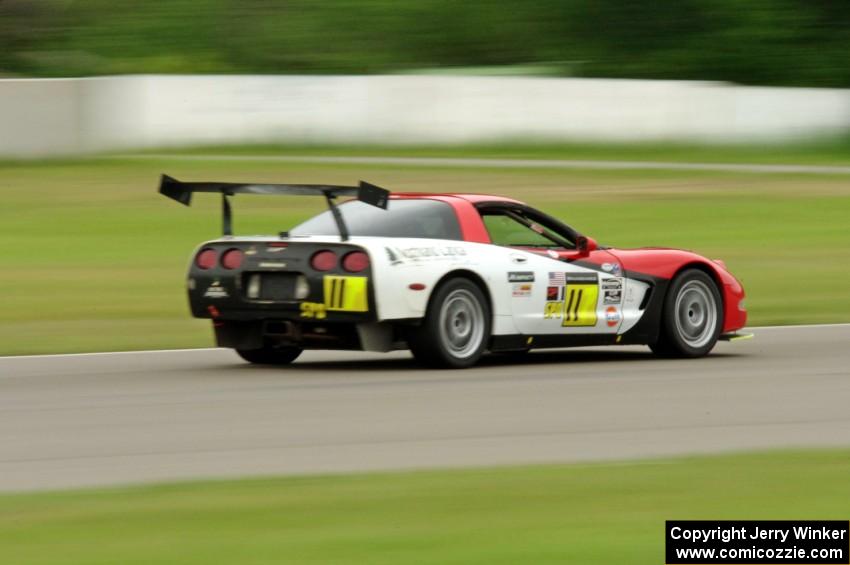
456 327
692 317
269 355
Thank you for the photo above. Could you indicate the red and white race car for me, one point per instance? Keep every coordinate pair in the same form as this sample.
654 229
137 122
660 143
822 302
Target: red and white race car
448 276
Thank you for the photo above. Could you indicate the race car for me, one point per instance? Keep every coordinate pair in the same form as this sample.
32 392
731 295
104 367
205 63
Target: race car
448 276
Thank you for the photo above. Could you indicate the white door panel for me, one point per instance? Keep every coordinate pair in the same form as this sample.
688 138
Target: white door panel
540 312
565 298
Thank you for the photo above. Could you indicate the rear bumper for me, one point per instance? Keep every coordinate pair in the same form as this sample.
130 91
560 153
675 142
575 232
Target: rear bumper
279 283
332 298
241 334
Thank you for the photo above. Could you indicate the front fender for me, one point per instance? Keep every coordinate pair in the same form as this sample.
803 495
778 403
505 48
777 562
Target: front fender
665 264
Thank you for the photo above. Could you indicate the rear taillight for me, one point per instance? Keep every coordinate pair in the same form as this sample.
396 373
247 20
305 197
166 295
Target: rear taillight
355 262
232 259
323 260
206 259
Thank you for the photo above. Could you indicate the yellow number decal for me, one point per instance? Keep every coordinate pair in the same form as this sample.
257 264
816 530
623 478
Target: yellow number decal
313 310
580 305
346 294
553 310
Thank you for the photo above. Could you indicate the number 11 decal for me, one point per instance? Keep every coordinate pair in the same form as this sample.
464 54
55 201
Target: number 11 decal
581 296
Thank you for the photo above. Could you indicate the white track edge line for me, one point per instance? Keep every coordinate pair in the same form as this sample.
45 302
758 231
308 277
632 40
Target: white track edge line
3 357
200 349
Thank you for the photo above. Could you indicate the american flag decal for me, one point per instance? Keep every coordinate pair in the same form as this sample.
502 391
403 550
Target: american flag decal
557 279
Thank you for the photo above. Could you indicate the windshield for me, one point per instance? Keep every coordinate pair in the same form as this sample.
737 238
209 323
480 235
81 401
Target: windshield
428 219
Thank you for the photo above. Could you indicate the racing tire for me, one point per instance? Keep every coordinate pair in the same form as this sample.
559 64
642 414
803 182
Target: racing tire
269 355
456 329
691 318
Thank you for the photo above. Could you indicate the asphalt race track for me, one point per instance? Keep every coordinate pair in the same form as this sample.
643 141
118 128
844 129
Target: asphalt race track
85 420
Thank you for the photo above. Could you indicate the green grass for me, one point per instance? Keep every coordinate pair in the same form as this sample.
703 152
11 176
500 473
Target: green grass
816 151
94 259
598 513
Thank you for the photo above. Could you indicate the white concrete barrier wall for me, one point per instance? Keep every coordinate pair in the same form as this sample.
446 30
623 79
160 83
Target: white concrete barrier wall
62 116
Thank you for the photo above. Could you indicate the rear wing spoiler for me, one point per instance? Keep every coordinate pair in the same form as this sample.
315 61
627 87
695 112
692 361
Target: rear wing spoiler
365 192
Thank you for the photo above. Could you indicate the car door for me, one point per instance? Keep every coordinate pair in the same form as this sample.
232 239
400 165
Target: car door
557 290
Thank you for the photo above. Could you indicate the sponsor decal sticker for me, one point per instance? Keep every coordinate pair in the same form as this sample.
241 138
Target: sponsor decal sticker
612 291
613 268
612 296
553 310
215 290
521 290
554 293
521 276
436 252
315 310
393 257
582 278
612 316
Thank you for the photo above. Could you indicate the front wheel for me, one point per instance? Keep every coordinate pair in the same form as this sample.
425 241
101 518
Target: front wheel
692 317
456 327
269 355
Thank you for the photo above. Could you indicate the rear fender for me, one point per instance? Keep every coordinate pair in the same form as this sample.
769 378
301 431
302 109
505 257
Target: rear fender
407 271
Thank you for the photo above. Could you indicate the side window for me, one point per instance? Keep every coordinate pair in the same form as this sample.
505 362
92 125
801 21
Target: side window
515 230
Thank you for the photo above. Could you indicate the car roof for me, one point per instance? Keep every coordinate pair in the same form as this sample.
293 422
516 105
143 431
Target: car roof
469 197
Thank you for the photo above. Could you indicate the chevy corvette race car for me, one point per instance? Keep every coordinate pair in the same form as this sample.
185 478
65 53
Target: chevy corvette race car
448 276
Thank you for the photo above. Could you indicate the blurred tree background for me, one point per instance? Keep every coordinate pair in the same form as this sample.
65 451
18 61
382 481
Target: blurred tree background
770 42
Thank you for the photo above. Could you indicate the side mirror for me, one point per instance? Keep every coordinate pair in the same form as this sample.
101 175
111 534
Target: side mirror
585 245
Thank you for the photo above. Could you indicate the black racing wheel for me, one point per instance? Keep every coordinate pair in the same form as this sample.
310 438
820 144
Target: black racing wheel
269 355
692 316
456 328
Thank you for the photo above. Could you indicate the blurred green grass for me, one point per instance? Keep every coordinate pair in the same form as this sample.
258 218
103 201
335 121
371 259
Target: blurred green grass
94 259
829 150
596 513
